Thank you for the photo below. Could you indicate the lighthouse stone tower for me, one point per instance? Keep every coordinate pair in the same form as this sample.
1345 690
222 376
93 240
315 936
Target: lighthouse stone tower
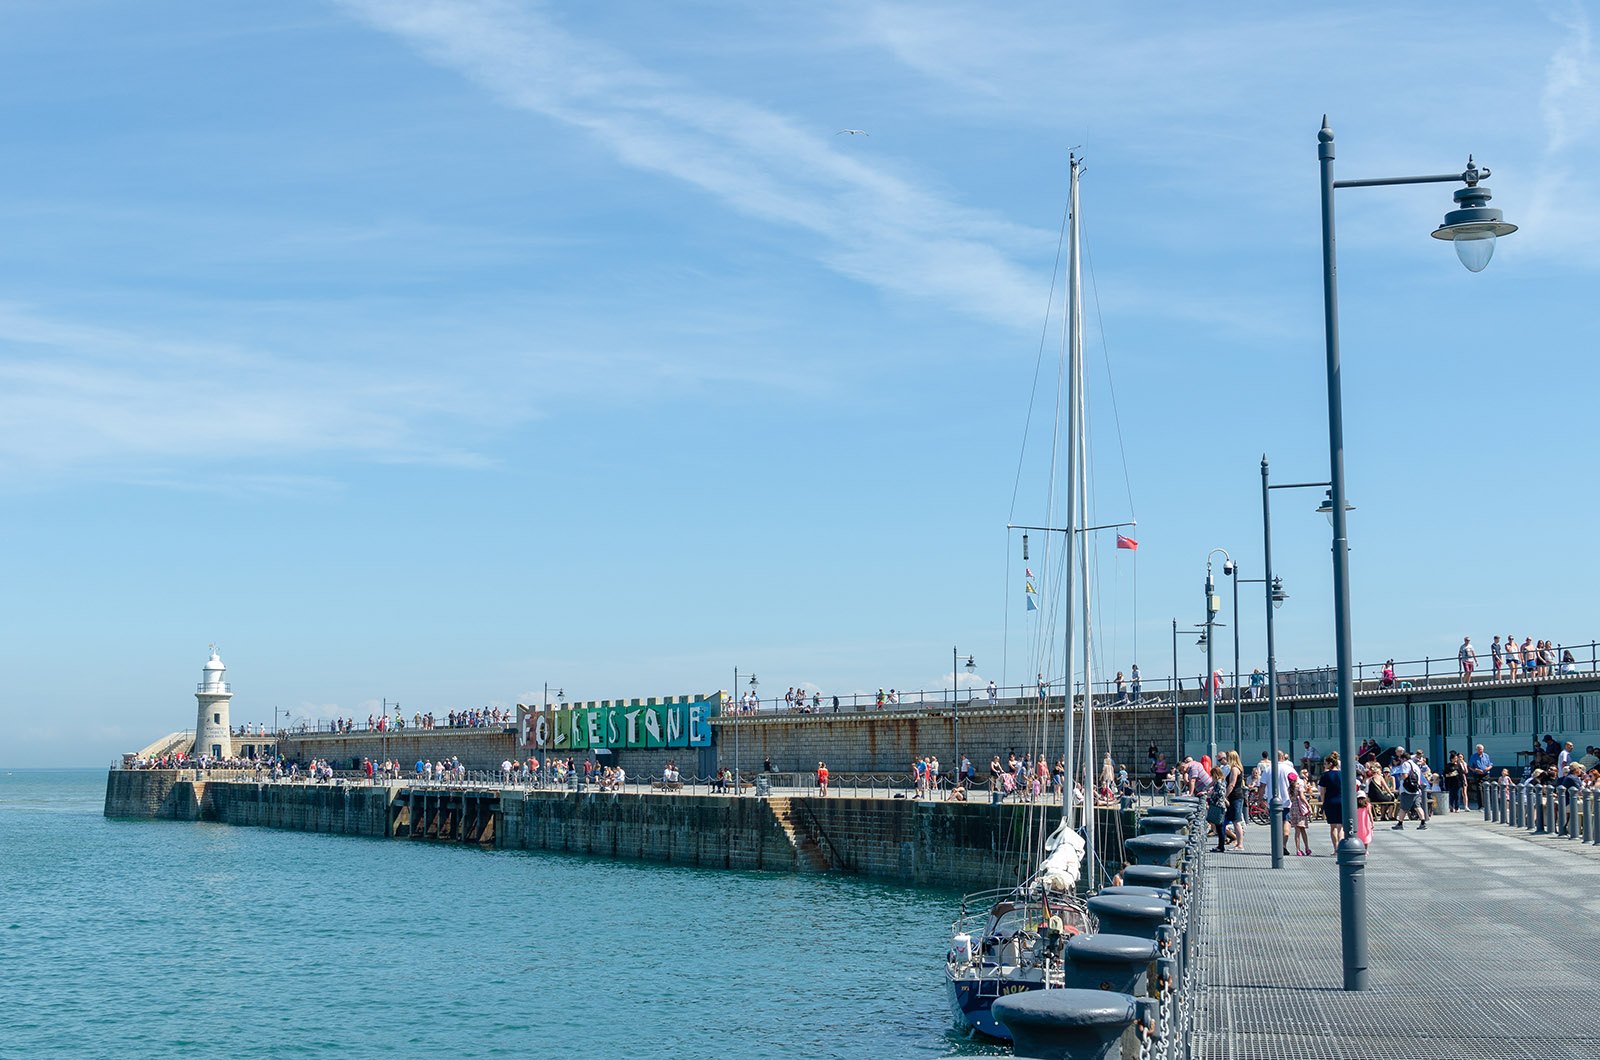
212 735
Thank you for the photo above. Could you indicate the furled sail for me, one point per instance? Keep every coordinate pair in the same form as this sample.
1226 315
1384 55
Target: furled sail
1063 859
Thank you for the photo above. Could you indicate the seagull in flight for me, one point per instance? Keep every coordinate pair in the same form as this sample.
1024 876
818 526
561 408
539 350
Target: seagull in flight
852 132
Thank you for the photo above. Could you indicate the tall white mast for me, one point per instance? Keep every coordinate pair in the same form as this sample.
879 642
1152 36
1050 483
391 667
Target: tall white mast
1090 766
1074 383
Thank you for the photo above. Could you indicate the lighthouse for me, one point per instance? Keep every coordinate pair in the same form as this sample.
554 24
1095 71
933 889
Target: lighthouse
212 736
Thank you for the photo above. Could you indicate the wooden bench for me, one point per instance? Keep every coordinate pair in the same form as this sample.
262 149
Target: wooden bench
667 785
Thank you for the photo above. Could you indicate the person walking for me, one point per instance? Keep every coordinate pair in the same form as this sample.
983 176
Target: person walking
822 778
1410 786
1217 808
1363 805
1468 660
1331 782
1236 797
1299 815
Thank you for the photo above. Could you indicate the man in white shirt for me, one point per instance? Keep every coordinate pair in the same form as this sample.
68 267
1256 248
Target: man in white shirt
1411 784
1564 760
994 693
1286 776
1308 756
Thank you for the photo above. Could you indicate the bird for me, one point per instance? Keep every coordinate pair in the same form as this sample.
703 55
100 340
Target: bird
852 132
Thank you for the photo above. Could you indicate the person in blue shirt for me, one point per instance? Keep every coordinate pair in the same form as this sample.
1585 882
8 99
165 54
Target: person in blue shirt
1478 766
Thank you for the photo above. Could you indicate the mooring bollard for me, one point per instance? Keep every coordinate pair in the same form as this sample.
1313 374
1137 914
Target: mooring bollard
1152 876
1159 825
1071 1024
1127 914
1135 890
1155 849
1118 963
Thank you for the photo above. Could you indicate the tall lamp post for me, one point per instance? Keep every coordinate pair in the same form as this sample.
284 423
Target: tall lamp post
1213 605
1177 711
955 705
1231 569
544 745
1473 227
1275 598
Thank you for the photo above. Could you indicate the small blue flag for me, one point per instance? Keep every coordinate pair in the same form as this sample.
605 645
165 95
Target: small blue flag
1031 605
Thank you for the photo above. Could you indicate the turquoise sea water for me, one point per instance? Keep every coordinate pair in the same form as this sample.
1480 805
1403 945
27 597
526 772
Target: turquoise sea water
171 939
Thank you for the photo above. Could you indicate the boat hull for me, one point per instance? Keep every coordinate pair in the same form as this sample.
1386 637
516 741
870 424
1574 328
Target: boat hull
971 999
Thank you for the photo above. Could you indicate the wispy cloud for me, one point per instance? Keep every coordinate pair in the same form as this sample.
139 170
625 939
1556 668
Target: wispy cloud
1557 219
870 223
1571 98
74 396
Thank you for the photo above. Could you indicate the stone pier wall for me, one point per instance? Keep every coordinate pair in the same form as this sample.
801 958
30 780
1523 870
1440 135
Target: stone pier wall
706 830
886 742
850 742
963 845
476 748
339 809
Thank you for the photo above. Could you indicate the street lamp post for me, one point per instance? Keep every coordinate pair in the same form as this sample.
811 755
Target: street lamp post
1275 598
1213 605
544 744
955 705
1177 711
1473 227
753 685
1231 568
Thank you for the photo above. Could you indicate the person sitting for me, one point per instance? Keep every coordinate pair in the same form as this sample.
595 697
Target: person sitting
1380 794
958 793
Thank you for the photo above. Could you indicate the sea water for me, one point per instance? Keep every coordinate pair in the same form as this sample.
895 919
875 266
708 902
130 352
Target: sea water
175 939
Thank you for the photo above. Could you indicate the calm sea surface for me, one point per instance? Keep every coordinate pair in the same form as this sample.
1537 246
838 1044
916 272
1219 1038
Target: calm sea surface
161 938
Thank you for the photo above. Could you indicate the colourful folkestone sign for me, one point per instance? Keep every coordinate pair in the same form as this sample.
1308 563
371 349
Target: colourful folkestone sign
620 724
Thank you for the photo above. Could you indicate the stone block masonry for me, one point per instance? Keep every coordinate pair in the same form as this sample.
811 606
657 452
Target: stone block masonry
969 846
482 748
887 741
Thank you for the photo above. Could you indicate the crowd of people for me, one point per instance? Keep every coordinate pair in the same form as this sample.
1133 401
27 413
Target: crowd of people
1393 784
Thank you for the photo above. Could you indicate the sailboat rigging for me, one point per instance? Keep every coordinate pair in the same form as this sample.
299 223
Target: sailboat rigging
1014 938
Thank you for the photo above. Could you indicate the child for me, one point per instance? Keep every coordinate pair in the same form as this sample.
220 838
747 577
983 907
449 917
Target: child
1299 815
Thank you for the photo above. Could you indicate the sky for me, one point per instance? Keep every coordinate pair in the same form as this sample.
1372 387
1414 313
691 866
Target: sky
433 350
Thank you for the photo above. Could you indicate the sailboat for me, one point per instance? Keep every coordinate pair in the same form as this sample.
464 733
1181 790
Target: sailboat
1014 938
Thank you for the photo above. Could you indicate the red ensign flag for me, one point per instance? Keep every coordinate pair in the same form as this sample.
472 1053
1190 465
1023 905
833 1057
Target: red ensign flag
1127 542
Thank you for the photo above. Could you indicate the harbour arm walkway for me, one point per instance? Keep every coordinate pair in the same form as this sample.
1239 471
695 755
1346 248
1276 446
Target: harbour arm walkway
1482 944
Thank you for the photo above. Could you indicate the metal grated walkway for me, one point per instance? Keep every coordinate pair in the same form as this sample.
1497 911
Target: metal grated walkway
1481 945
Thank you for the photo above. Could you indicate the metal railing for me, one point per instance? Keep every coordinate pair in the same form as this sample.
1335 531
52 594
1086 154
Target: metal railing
1426 672
391 727
1569 812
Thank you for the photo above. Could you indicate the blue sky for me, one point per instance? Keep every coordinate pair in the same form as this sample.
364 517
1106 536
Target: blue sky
436 349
